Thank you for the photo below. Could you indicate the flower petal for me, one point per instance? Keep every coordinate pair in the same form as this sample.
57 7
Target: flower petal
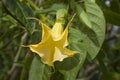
44 51
37 49
45 32
58 55
57 30
63 38
69 52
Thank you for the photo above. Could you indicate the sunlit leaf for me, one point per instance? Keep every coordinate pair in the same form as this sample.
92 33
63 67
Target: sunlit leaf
95 32
94 39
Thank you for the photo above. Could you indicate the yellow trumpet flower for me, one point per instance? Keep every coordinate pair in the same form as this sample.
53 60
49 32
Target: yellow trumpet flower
53 44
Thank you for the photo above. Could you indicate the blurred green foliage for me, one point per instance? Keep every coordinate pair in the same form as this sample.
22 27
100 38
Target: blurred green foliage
97 60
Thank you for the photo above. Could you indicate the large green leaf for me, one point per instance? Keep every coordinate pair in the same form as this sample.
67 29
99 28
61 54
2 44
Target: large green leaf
92 38
20 12
38 70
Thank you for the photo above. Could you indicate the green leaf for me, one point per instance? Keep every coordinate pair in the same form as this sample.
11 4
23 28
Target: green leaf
38 70
20 12
93 40
92 35
83 17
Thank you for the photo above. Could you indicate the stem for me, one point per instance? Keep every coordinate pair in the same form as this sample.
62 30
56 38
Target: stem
33 5
23 39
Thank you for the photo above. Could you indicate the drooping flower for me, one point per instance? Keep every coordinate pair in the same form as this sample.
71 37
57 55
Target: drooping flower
53 44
